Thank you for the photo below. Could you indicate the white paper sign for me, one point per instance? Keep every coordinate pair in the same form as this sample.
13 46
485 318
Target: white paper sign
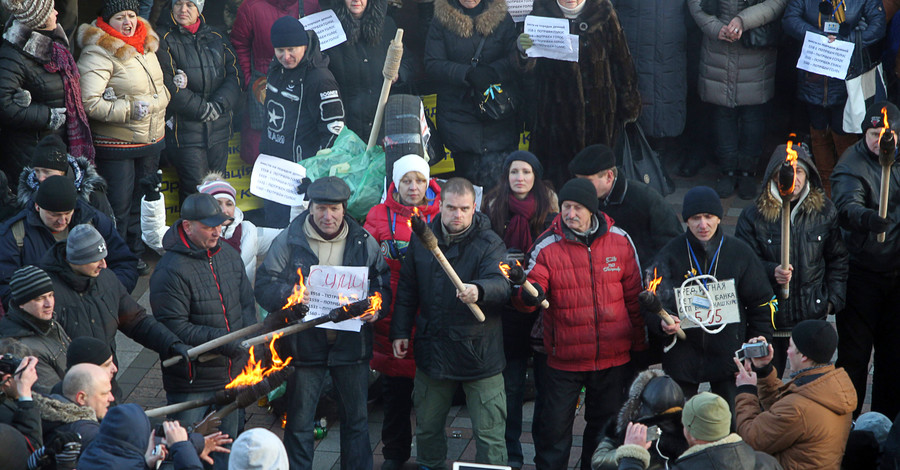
276 179
825 58
519 9
326 282
693 302
327 27
551 38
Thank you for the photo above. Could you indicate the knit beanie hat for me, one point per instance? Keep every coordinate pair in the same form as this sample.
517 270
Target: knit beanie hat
87 349
218 189
706 417
527 157
111 7
257 449
288 32
27 283
197 3
404 165
56 194
874 422
875 118
51 153
592 160
701 200
815 339
581 191
33 14
85 245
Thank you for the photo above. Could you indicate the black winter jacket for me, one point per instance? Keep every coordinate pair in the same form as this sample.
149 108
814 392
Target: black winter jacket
98 307
818 253
450 343
208 60
91 187
25 416
710 357
856 190
452 41
728 453
47 341
277 276
303 105
201 295
59 415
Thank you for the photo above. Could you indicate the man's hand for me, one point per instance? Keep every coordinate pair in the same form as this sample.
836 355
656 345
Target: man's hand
214 443
401 347
673 328
636 434
872 221
531 300
516 274
469 294
174 432
181 349
783 276
745 374
27 377
152 457
760 362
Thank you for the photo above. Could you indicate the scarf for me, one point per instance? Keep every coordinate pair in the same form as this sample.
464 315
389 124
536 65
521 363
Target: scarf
136 40
194 27
518 230
235 240
78 131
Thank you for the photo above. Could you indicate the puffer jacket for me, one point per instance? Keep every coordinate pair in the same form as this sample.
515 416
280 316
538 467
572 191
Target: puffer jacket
864 21
856 189
732 75
277 276
656 39
818 253
39 239
594 319
450 343
213 76
201 295
803 423
59 414
99 307
108 62
387 222
91 187
22 57
452 40
728 453
710 357
47 341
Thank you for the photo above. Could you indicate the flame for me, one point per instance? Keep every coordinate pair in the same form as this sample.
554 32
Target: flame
297 296
374 306
415 214
791 158
887 126
654 283
504 268
254 373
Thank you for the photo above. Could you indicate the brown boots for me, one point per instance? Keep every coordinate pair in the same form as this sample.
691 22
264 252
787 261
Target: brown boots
827 148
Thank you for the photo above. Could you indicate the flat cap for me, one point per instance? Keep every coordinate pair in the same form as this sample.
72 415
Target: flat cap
328 190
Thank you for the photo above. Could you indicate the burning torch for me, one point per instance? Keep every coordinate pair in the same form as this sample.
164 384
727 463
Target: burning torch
650 301
516 275
887 146
787 179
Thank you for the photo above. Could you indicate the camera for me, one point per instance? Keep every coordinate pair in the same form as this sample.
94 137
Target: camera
9 364
752 350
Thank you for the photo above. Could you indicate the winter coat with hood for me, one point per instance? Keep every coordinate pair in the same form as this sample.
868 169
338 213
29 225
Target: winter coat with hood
864 23
201 295
213 76
803 423
387 222
304 104
38 240
22 57
451 44
99 307
856 190
46 339
277 276
450 343
706 357
818 253
108 62
59 415
592 283
728 453
90 186
25 416
251 33
122 442
732 75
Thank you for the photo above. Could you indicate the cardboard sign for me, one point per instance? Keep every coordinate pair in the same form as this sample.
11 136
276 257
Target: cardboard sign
327 283
721 306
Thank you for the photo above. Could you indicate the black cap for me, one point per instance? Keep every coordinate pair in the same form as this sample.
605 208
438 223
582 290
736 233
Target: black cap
592 160
875 117
328 190
203 208
581 191
87 349
815 339
527 157
50 152
288 32
56 194
701 200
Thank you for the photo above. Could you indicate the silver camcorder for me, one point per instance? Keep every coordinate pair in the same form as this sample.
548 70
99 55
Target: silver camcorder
752 350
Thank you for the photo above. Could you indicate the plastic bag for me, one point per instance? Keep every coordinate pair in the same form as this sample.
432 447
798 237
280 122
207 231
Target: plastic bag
638 161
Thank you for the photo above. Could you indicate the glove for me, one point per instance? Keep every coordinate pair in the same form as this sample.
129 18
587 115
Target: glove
207 425
482 77
140 110
22 98
524 42
530 301
874 223
180 79
67 458
109 94
64 449
57 118
150 185
181 349
259 89
516 274
211 113
303 186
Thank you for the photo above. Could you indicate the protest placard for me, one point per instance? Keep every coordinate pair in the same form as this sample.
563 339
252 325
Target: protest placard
718 305
327 284
551 38
825 58
327 27
519 9
277 179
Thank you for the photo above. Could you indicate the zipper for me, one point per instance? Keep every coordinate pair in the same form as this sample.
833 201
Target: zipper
222 301
594 303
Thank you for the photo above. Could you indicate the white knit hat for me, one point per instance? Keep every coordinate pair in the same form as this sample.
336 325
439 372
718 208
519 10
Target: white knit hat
33 14
258 449
411 162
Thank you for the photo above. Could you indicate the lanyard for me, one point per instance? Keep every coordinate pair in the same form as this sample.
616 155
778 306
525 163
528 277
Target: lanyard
714 261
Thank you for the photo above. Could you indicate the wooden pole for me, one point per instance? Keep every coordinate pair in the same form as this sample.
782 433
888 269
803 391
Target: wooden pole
785 241
391 67
457 282
196 351
528 286
670 321
885 192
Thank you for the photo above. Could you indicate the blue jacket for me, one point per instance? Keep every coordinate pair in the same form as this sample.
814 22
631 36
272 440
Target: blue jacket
864 21
39 240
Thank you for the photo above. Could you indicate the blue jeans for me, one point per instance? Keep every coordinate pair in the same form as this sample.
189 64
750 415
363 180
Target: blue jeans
740 133
304 388
230 424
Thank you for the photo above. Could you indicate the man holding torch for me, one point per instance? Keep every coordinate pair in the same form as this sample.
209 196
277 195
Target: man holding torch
873 284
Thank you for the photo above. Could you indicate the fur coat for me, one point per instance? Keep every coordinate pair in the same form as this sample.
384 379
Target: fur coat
90 186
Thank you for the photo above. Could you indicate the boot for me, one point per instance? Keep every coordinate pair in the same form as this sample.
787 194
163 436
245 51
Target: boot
823 155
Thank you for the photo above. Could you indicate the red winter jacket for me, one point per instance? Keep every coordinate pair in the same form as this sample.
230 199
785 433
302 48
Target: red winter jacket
252 27
387 223
594 319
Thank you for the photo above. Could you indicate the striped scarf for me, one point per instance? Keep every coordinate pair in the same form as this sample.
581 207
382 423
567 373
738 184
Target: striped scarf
78 131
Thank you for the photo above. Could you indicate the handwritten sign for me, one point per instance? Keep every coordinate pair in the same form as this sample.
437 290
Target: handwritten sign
276 179
519 9
327 27
825 58
326 282
694 304
551 38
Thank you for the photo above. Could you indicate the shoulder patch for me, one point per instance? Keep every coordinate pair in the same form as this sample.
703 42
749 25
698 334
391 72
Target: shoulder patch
328 94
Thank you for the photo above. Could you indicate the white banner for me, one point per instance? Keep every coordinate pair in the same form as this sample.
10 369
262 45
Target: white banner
551 38
519 9
825 58
721 306
327 27
327 284
276 179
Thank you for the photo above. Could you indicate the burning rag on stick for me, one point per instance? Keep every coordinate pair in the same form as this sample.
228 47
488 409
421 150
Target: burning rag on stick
650 301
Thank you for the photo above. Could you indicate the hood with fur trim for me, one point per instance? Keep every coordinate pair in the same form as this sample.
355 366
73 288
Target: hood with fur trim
59 409
92 35
632 408
34 44
769 202
451 16
80 171
368 28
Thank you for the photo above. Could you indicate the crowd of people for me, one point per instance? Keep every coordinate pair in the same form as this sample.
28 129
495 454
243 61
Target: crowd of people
613 302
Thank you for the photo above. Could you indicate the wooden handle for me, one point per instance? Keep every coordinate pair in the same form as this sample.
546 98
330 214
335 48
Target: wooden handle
670 321
196 351
382 102
534 293
785 242
883 203
457 282
178 407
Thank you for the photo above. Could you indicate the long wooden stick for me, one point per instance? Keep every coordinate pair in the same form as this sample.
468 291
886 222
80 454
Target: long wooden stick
670 321
196 351
179 407
785 241
391 66
534 293
885 190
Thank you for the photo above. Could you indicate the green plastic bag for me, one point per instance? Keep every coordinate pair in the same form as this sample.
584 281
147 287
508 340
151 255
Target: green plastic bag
362 171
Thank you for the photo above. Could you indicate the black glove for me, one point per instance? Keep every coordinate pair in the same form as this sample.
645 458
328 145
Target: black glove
303 186
482 77
63 450
181 349
516 274
530 301
874 223
150 185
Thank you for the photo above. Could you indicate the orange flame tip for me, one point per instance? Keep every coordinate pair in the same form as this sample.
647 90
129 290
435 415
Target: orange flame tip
254 373
791 158
886 124
504 268
299 290
654 283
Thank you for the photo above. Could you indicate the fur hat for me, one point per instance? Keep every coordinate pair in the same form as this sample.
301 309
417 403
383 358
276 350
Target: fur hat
33 14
